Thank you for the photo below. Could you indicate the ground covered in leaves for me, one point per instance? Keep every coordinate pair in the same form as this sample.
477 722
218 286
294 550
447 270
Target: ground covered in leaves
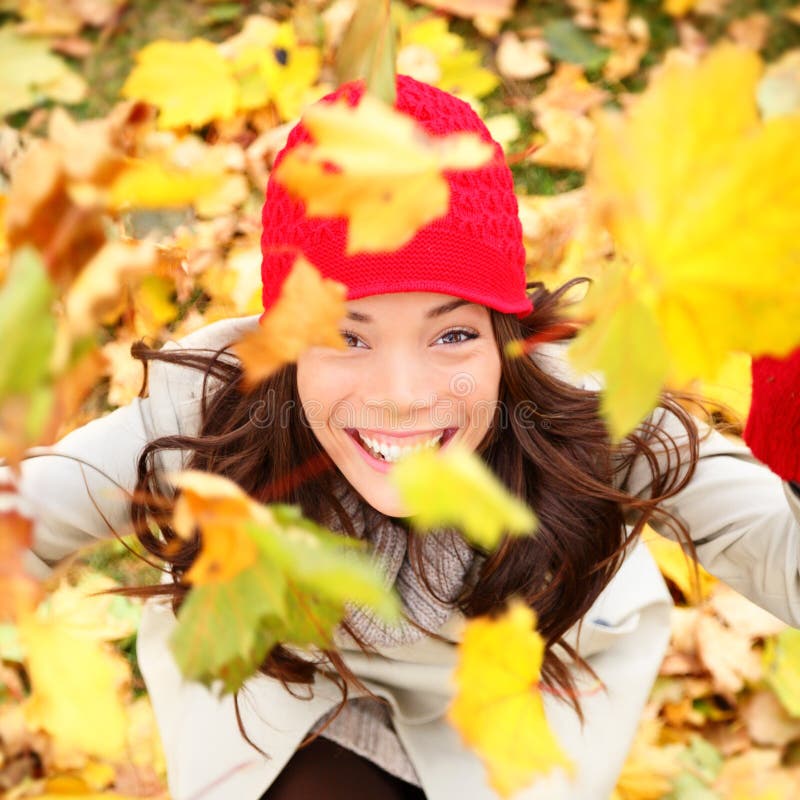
723 720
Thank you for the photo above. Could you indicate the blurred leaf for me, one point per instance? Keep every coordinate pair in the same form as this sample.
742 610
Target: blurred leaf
567 42
27 326
782 668
498 707
30 74
389 180
289 582
455 487
307 313
678 566
18 591
190 82
673 198
76 687
368 49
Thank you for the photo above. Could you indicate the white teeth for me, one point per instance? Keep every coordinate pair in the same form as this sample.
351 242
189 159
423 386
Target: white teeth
393 452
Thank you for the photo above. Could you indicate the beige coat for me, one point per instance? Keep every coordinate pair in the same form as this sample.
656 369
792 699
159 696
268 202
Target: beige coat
744 520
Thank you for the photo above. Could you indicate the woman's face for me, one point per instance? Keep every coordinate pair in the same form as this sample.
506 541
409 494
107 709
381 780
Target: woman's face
421 369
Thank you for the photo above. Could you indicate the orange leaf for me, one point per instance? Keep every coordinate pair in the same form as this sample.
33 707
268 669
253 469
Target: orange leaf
307 313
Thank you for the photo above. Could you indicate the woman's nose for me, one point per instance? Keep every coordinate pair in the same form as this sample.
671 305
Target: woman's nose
401 382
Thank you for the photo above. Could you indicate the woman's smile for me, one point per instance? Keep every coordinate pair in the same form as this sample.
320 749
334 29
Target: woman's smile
381 450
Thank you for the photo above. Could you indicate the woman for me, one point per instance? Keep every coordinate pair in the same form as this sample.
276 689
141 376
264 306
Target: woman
425 332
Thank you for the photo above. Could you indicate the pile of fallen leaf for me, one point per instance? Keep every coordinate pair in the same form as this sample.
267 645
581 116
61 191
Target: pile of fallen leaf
142 204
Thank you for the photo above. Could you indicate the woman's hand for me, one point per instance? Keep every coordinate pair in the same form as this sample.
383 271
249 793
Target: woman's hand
773 426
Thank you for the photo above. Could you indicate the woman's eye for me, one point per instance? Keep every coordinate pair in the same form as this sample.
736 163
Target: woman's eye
456 332
348 337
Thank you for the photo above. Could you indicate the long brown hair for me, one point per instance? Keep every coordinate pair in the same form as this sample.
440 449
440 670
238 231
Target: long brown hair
552 450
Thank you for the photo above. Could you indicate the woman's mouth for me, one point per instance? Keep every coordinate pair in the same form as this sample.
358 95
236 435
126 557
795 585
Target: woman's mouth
385 451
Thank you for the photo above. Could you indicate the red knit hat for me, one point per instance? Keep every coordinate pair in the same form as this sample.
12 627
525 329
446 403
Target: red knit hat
475 251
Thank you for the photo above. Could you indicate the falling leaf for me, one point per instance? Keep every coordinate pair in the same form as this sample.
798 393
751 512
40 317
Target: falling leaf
290 583
307 313
388 179
190 82
18 590
222 516
41 214
498 709
76 687
629 349
673 198
27 328
454 487
30 74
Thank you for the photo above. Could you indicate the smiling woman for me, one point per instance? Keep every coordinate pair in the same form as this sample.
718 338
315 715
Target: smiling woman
426 364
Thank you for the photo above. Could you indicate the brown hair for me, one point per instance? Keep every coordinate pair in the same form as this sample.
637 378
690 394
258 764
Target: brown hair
552 450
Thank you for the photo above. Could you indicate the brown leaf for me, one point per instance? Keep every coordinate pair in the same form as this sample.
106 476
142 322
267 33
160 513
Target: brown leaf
767 721
727 655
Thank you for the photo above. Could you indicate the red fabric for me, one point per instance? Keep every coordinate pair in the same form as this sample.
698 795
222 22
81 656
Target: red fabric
475 251
773 426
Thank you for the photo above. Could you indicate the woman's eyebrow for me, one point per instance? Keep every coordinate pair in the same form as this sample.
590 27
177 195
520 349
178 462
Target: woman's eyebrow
436 311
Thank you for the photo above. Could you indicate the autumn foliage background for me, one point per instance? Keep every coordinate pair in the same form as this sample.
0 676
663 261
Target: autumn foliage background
136 144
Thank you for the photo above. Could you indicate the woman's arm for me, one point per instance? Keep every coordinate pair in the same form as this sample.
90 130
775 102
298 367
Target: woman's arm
744 521
78 490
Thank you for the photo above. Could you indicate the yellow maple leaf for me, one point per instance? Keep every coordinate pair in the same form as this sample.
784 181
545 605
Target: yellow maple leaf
706 214
678 567
307 313
151 184
275 67
457 69
191 83
76 686
498 709
454 487
222 511
389 181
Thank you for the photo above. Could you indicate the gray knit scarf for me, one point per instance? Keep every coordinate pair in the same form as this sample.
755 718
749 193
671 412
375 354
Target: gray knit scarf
446 556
